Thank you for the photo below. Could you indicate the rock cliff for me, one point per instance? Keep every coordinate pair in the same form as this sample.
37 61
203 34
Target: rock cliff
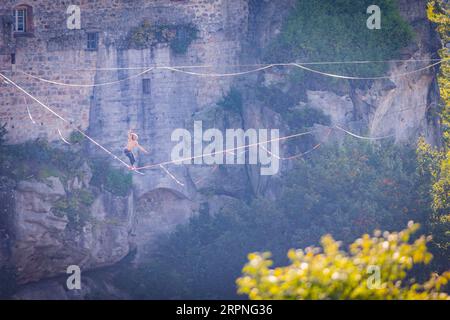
40 244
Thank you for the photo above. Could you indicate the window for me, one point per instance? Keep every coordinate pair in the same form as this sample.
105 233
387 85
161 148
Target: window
23 19
146 86
92 41
13 58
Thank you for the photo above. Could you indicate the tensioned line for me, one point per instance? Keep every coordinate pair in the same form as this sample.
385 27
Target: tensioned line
62 118
241 73
252 65
162 164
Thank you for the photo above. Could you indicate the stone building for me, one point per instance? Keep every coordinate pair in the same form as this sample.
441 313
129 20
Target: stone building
46 48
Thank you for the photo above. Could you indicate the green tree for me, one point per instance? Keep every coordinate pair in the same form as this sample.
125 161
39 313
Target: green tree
2 134
433 165
439 13
334 274
335 30
436 163
116 181
8 282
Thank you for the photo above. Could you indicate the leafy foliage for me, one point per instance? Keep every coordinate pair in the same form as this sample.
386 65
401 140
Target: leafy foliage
76 206
335 274
358 186
111 179
37 159
276 99
8 282
305 117
3 148
2 134
76 137
433 166
439 13
436 163
8 275
335 30
285 103
179 37
184 36
232 102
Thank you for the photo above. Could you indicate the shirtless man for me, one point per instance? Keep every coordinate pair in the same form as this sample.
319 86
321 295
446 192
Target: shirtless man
131 144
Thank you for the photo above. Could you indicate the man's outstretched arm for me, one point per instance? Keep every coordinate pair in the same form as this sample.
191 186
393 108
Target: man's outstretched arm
142 148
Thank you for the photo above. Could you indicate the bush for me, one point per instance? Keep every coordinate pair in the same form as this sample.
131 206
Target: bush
184 36
39 160
305 117
2 134
335 30
76 206
38 151
111 179
232 102
334 274
275 99
76 137
436 163
179 37
3 150
434 167
285 104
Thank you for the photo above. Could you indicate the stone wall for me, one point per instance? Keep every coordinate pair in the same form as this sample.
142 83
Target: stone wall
54 52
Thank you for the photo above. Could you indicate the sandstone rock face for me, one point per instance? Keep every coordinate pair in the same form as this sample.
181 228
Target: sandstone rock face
43 243
158 212
401 114
339 108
